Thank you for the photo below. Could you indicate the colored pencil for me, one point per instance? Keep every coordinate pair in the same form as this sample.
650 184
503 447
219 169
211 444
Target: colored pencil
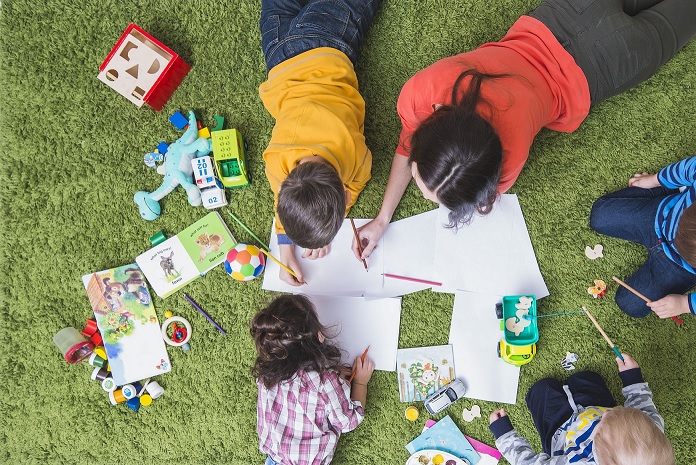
362 359
676 319
281 264
202 312
414 280
601 331
248 230
357 239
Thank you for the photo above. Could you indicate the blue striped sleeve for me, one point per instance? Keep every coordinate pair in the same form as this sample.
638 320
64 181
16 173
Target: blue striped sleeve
681 173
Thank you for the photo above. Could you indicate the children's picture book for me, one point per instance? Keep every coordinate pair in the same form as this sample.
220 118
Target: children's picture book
184 257
128 324
445 436
423 370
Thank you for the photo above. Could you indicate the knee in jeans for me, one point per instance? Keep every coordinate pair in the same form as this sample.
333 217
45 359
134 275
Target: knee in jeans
541 386
597 215
631 304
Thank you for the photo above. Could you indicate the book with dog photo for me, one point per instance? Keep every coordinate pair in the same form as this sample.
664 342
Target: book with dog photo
128 324
184 257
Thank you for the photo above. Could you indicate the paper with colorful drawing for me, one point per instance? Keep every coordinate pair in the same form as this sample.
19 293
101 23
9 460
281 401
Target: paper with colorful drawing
492 255
358 323
338 273
423 370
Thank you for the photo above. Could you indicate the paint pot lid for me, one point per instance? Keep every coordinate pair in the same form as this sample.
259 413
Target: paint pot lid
108 384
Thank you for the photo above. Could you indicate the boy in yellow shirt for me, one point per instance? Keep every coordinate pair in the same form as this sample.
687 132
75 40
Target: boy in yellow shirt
316 162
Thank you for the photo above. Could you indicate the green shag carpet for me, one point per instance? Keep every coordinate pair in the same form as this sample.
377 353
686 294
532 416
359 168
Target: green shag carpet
72 157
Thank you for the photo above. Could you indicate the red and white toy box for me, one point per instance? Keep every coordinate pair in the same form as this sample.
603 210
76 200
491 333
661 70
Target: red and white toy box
142 69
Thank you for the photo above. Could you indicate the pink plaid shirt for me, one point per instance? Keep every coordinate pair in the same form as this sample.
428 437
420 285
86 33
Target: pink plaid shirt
299 420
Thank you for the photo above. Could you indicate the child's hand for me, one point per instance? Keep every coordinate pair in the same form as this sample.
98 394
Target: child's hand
497 414
644 181
670 305
313 254
363 370
369 234
287 256
627 363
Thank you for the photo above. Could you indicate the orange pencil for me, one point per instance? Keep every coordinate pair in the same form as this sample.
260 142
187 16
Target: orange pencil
638 294
357 239
362 359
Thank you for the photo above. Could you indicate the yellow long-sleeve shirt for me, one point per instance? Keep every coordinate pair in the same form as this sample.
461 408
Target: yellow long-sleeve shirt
318 109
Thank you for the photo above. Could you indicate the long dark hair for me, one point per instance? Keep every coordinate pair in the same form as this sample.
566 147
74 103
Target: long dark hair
459 154
286 334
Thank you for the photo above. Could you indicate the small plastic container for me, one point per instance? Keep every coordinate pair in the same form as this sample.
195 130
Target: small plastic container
530 334
73 345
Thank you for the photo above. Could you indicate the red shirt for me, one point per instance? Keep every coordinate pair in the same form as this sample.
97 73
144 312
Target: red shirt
546 88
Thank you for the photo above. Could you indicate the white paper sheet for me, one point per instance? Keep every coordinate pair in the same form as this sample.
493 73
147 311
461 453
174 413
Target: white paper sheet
360 323
338 273
492 255
409 246
474 335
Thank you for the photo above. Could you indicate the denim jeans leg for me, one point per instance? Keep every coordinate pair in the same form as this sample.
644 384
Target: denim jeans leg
339 24
589 389
275 22
629 214
659 276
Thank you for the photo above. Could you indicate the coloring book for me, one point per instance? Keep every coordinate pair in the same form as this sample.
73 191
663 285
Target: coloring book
128 323
184 257
423 370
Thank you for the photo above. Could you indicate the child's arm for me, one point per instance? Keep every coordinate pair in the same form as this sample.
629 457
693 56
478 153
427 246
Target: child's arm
516 448
363 373
681 173
638 394
372 232
287 256
644 180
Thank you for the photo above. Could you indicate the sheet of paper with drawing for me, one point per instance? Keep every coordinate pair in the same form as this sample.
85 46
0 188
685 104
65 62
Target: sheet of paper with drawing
338 273
408 252
492 255
474 335
360 323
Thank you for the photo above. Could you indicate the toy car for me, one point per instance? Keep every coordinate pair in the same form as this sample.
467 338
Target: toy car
518 345
445 396
212 192
230 159
516 355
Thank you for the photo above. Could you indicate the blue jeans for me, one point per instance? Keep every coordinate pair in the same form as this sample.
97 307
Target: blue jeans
270 461
630 214
291 27
617 51
549 405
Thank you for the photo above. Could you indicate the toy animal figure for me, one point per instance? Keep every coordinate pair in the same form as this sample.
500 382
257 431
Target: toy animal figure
598 290
178 170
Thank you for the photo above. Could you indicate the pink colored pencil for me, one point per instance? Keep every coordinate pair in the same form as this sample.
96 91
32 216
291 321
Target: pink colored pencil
414 280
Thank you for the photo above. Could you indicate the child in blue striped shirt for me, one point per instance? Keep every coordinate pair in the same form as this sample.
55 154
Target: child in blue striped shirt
656 211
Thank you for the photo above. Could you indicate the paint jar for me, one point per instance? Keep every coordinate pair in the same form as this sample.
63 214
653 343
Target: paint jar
99 374
411 413
116 397
154 389
73 345
131 390
96 361
108 384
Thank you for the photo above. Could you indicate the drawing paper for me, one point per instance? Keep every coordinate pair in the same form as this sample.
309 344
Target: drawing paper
409 246
338 273
474 335
358 324
492 255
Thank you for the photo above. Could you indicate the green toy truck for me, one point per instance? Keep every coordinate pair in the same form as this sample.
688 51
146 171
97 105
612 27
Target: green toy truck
229 153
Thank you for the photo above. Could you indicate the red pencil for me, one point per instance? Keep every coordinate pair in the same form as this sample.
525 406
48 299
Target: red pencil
362 359
415 280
